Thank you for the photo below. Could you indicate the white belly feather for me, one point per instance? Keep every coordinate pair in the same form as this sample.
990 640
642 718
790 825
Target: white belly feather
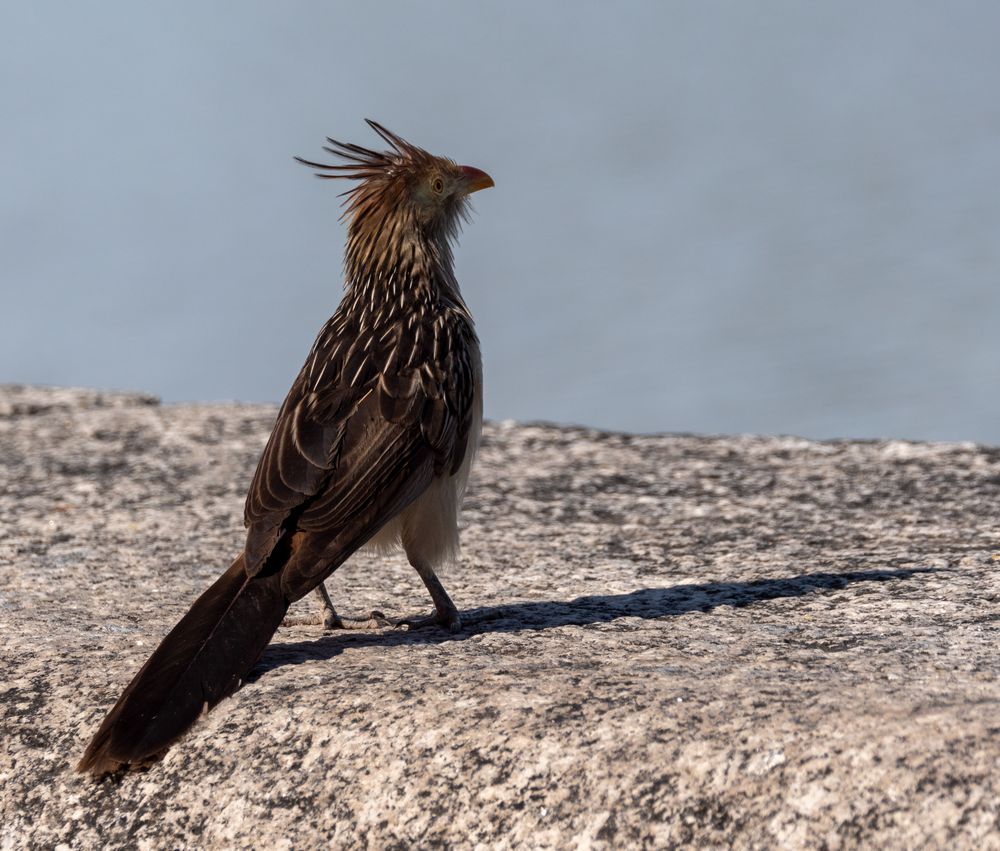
427 529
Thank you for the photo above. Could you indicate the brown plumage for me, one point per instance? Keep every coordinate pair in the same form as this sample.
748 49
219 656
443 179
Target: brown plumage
372 445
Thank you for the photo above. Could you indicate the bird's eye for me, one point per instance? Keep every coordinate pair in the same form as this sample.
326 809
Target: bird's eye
437 185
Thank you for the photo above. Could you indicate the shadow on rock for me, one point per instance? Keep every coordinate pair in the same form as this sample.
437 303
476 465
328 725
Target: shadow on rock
648 603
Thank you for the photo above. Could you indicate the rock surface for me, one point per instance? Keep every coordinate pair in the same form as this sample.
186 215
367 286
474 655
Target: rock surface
670 640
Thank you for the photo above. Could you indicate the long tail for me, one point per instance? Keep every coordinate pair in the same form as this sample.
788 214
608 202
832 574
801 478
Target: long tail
202 660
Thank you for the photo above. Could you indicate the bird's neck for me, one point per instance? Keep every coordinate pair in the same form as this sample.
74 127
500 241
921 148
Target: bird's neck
400 264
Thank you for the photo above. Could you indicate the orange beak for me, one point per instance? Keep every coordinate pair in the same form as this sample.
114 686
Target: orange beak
476 179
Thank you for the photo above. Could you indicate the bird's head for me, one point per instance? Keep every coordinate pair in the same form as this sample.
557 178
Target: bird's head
401 194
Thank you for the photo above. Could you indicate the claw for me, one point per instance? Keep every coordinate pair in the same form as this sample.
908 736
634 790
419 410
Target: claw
451 621
376 620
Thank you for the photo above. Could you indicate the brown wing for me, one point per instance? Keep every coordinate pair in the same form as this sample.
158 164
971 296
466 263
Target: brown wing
370 420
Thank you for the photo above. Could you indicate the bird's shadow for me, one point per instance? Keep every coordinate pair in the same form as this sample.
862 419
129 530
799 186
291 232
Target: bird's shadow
647 603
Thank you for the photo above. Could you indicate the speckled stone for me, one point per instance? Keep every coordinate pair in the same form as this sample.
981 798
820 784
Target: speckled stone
749 642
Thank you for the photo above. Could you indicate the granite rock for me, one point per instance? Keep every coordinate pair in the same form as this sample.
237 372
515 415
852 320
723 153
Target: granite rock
670 640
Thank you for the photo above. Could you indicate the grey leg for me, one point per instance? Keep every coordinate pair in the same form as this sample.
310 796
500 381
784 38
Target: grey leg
331 620
446 614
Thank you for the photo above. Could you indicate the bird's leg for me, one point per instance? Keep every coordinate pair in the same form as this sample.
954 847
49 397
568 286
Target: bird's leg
331 620
446 614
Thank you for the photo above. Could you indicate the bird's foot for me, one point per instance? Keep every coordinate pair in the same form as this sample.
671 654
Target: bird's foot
449 620
376 620
299 620
330 620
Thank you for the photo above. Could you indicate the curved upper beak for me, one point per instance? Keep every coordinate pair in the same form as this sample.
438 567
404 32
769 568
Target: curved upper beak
475 179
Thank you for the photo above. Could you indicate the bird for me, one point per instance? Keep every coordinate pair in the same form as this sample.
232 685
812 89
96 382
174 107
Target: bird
372 446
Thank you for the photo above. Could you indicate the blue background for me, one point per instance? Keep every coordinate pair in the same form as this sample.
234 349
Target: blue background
709 216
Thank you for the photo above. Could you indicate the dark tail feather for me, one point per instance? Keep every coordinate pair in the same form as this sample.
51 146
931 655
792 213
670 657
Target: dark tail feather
201 661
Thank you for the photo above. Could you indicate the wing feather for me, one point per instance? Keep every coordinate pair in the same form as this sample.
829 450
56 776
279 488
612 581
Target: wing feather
357 443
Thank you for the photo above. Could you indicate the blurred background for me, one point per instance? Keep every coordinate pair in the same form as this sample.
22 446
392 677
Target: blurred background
709 216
